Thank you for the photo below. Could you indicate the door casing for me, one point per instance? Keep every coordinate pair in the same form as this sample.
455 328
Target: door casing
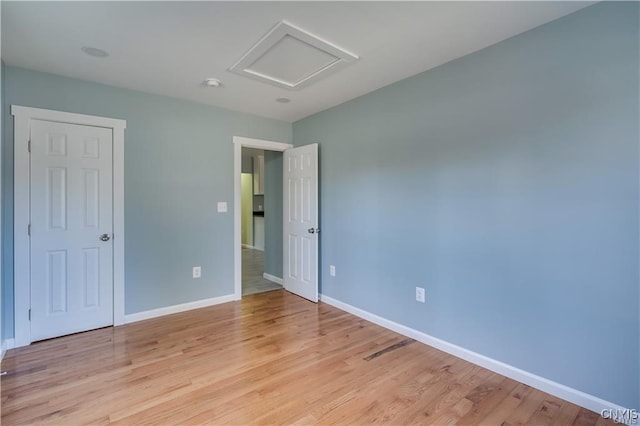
238 143
21 210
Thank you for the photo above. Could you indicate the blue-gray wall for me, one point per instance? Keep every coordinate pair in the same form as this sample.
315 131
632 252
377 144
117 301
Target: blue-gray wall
178 165
246 164
506 184
273 213
2 311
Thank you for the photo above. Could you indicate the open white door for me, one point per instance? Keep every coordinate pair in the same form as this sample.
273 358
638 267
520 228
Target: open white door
300 216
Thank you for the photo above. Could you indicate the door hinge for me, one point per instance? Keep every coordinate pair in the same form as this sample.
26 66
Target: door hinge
29 229
29 146
29 314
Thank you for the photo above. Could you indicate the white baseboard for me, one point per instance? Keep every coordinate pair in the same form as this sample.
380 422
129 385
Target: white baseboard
273 278
575 396
154 313
6 345
252 247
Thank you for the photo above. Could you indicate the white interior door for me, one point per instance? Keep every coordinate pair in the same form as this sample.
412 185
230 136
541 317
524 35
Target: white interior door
71 209
300 193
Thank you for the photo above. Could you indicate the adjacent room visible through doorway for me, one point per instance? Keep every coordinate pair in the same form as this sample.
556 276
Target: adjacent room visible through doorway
253 280
261 220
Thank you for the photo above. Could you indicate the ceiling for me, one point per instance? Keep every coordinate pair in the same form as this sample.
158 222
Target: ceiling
169 48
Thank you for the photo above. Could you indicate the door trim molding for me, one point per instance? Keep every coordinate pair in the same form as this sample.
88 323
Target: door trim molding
21 266
238 143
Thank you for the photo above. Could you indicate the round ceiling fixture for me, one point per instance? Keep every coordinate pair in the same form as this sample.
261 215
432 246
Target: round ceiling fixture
283 100
212 82
94 51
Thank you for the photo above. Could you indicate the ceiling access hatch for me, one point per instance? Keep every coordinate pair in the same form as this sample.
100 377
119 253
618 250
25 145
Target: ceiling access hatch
291 58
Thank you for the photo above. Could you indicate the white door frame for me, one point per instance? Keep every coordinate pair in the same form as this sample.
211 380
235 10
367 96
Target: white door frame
21 171
238 143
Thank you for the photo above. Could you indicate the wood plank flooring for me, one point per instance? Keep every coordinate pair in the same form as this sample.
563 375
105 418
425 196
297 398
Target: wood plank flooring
272 358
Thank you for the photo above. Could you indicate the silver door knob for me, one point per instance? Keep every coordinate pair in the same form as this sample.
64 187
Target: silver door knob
105 237
311 230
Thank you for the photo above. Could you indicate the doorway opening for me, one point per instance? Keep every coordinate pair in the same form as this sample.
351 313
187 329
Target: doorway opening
261 228
258 215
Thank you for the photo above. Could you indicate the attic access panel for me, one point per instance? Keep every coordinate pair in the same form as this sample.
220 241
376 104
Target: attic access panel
292 58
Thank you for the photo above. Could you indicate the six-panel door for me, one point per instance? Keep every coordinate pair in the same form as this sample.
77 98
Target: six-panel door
300 193
71 228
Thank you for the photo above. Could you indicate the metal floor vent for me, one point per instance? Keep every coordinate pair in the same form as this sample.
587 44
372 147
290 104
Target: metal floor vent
292 58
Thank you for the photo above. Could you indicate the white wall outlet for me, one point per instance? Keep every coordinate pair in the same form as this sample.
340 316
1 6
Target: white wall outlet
197 272
332 270
420 294
222 206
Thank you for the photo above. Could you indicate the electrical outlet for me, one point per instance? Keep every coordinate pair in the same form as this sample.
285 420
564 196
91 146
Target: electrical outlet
332 270
420 294
222 206
197 272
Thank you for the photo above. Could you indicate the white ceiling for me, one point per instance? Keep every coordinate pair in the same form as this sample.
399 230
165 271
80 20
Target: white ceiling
169 48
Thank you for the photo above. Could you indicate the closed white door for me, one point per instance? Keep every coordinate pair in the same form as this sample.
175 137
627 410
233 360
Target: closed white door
300 193
71 249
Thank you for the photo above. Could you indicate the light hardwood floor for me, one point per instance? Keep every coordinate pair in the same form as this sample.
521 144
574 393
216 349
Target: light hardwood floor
272 358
